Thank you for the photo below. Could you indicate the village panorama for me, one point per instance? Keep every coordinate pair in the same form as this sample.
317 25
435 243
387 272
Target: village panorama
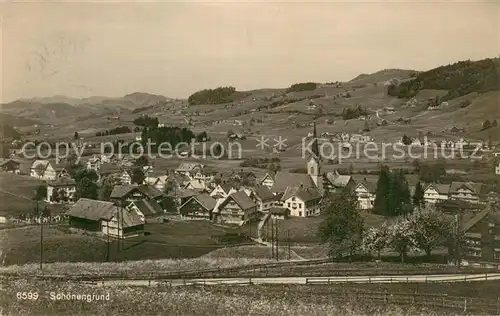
258 171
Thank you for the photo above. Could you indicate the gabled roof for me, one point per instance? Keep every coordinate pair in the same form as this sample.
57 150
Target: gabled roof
197 184
242 199
189 166
285 179
62 182
93 210
491 210
227 186
263 193
369 185
205 200
121 191
305 194
472 186
3 162
149 207
184 193
109 168
439 188
337 180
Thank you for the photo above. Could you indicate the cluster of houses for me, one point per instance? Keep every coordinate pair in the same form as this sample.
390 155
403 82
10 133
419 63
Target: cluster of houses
345 137
456 144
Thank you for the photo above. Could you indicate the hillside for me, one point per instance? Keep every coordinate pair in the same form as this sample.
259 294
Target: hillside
458 79
382 75
16 120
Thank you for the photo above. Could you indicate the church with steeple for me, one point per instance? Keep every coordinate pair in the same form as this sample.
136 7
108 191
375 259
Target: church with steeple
314 162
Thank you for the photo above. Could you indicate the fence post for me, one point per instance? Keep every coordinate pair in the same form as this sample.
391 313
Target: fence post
486 276
370 279
386 297
406 279
442 299
250 280
498 305
465 304
414 295
465 278
425 279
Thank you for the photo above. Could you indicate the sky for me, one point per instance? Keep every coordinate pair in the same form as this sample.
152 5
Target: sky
177 48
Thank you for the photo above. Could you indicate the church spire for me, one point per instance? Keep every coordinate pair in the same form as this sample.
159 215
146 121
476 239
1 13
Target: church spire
315 146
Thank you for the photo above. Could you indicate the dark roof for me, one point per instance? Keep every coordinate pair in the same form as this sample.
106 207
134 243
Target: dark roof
92 209
242 199
63 181
206 201
370 185
183 193
283 180
189 166
109 168
228 186
279 211
472 186
263 193
491 210
305 194
149 207
439 187
3 162
338 180
122 191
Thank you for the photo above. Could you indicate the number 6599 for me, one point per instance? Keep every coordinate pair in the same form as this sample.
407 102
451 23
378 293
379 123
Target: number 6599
33 296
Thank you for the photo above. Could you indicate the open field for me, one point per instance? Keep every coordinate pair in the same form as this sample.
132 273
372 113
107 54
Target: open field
166 240
262 300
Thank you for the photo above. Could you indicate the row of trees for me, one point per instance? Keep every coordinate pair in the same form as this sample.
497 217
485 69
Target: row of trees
459 79
219 95
166 134
352 113
146 121
116 131
344 232
304 86
392 196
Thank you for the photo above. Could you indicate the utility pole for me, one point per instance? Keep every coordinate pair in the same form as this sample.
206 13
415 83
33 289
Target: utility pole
272 238
41 237
288 238
457 249
121 236
277 249
108 255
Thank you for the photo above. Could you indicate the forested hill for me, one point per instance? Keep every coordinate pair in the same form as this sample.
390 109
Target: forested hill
458 79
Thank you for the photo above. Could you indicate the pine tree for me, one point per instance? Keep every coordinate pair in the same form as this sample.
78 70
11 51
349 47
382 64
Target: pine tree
399 200
418 196
381 204
85 188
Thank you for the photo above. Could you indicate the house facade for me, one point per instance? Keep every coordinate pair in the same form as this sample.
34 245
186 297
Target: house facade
237 209
199 207
125 177
267 181
61 191
156 181
434 193
336 183
148 210
482 236
223 190
365 193
130 193
466 191
189 169
44 170
303 202
263 197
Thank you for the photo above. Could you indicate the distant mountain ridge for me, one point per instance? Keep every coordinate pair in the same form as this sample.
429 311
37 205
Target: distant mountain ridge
51 109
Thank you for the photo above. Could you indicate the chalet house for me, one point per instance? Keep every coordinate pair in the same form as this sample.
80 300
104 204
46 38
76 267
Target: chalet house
466 191
44 170
237 208
223 190
148 210
302 202
94 163
482 233
263 197
183 195
497 169
108 169
365 192
267 181
204 175
279 213
125 177
158 182
61 190
199 207
336 183
357 138
129 193
247 176
104 219
436 192
11 166
189 169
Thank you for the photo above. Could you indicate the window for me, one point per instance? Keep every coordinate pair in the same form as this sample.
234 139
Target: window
474 252
293 199
311 171
288 204
300 205
300 213
472 243
497 254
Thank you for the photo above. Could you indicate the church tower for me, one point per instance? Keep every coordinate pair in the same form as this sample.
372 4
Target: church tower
314 163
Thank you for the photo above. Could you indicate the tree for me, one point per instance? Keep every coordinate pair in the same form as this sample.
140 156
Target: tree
375 240
494 123
40 192
76 136
399 200
84 173
406 140
85 188
486 124
418 196
430 229
401 237
169 204
343 227
137 175
45 212
55 195
381 203
366 127
106 188
142 161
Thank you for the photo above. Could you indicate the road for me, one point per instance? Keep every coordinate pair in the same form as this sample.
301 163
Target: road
309 280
